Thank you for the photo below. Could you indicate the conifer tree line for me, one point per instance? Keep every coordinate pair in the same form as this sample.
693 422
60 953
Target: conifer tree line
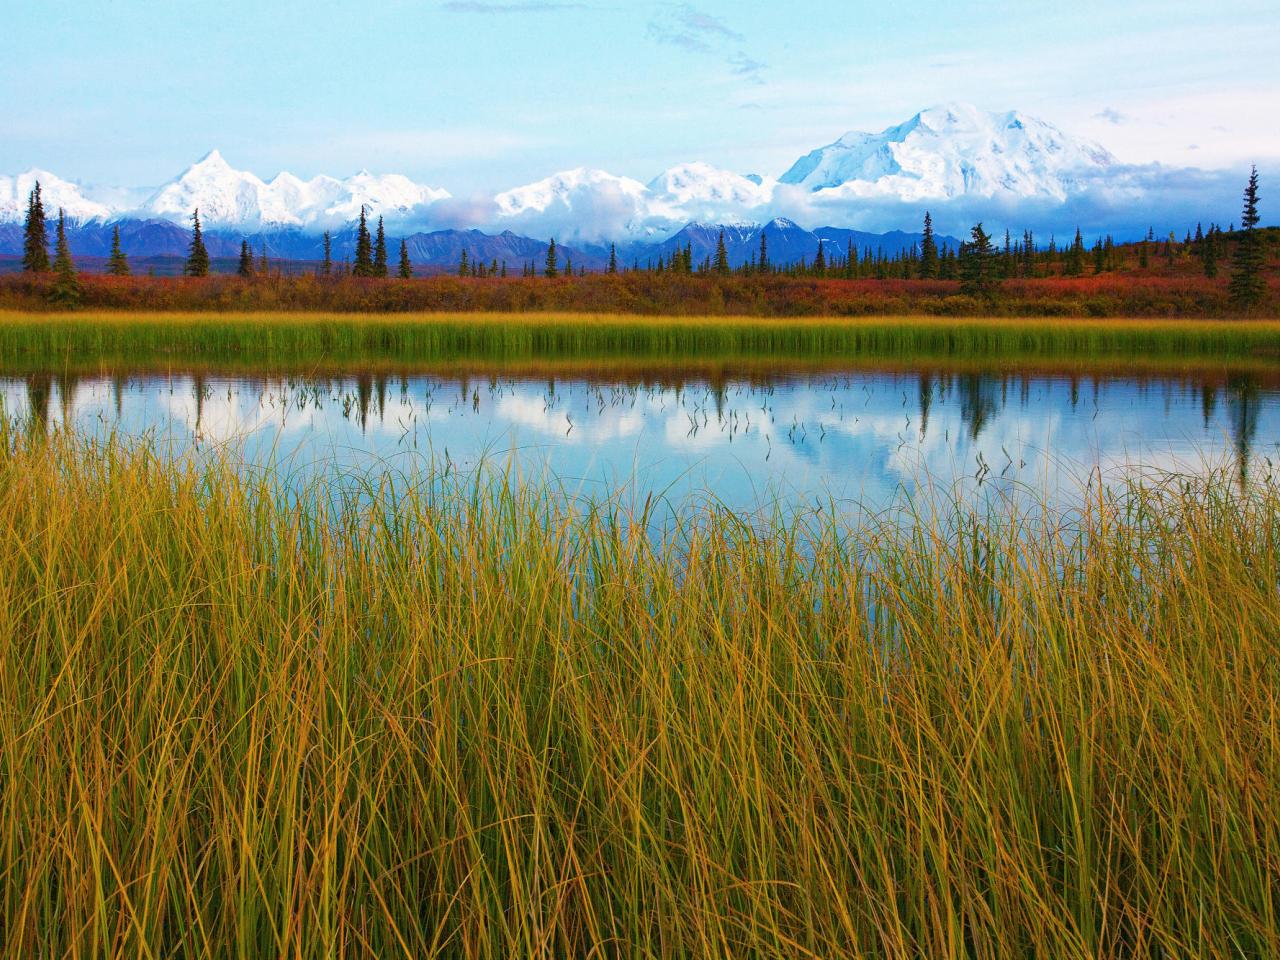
979 263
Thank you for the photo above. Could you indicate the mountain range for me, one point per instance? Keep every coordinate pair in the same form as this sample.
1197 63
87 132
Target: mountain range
959 161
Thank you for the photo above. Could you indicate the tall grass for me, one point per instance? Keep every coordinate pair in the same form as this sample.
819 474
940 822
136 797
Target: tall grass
77 341
463 719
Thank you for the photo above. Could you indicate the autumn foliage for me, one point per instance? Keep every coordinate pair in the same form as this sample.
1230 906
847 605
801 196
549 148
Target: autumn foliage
1133 294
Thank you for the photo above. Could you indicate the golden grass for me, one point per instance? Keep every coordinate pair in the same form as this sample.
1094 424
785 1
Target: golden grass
83 342
458 719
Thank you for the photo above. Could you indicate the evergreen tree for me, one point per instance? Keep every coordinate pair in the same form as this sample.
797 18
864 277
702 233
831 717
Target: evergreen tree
264 265
464 268
763 262
1209 254
504 270
928 250
35 239
197 256
568 267
326 265
1247 285
117 263
613 258
66 285
1075 256
721 264
978 276
246 260
380 252
551 272
406 268
1099 257
363 266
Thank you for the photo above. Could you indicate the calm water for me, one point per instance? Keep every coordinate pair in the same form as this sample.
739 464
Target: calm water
857 436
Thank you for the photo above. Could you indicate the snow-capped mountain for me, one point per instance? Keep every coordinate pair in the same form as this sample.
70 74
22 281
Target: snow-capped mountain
567 189
55 193
581 204
950 151
575 200
962 163
701 184
229 197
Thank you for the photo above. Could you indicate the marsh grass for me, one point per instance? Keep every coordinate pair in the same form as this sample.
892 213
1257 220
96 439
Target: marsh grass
121 340
466 719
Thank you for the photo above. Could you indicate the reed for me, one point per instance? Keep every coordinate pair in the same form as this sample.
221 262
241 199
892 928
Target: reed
467 718
102 340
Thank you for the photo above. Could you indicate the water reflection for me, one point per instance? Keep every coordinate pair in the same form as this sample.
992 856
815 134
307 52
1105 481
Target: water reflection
860 435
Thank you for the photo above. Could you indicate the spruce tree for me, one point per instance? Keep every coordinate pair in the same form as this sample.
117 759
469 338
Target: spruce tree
1209 254
613 258
1247 285
66 285
264 265
35 239
820 262
763 262
464 268
928 250
850 260
117 263
1075 256
363 266
551 272
246 260
406 268
380 252
977 273
721 264
197 255
326 265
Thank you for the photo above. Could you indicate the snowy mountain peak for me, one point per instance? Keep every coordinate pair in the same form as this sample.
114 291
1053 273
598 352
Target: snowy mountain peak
212 159
55 194
701 183
952 150
236 198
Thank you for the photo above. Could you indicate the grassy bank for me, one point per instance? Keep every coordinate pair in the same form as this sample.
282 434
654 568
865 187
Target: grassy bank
97 341
475 722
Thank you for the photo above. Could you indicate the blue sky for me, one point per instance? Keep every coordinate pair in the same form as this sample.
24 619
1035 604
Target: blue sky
480 94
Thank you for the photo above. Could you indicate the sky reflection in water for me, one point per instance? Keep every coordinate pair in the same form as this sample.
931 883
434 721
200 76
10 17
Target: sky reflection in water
856 437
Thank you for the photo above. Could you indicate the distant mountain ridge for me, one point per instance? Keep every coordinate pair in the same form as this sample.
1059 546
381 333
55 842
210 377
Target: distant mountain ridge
960 162
441 250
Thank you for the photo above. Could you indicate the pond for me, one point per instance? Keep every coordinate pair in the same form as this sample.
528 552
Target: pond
856 435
